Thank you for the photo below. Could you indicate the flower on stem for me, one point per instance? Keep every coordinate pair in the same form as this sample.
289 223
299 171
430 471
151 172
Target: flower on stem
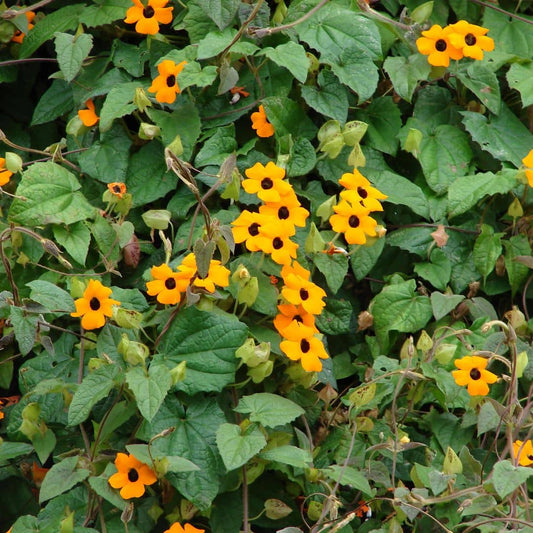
368 196
132 476
473 374
523 452
117 188
95 305
294 322
308 351
261 124
277 242
165 86
299 290
266 181
528 163
18 37
5 175
436 44
470 39
88 116
352 219
217 274
147 18
246 228
167 285
186 528
287 209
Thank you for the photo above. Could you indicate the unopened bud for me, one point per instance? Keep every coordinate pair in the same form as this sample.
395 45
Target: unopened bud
141 100
261 371
354 131
445 352
241 275
314 243
127 318
134 353
13 162
148 132
178 373
276 509
248 292
157 218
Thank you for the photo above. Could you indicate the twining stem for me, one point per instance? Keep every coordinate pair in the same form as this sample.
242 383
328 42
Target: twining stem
242 29
500 10
10 62
12 13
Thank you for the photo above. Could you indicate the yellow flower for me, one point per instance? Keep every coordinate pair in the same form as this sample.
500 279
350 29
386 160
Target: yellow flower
294 323
367 195
436 44
523 452
167 285
88 116
352 219
299 290
18 37
187 528
246 228
117 188
528 163
5 175
95 305
217 274
165 86
266 181
473 374
308 351
469 38
287 209
132 476
261 124
147 18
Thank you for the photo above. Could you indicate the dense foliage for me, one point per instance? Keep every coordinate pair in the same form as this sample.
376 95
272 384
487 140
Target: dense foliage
266 266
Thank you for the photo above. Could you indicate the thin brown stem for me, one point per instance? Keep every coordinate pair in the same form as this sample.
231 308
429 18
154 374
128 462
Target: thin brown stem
10 62
12 13
500 10
242 29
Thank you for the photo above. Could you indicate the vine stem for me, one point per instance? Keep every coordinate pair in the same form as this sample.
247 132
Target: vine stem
12 13
500 10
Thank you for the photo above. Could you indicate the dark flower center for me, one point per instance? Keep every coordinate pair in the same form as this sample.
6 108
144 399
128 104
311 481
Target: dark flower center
170 283
253 229
304 294
441 45
267 183
475 374
362 192
530 457
470 39
116 188
298 319
304 345
148 12
283 213
133 475
353 221
94 304
171 80
277 243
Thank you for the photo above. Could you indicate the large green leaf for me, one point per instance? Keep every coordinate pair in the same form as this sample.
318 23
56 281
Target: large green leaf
506 477
484 84
50 196
290 55
237 447
437 271
51 296
62 477
207 342
406 72
268 409
487 249
55 102
348 475
288 117
118 103
517 272
105 12
221 12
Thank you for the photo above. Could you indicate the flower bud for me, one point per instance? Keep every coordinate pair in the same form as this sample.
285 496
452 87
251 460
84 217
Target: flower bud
248 292
77 287
141 100
276 509
261 371
241 275
176 147
325 209
95 363
75 126
148 132
13 162
354 131
134 353
314 243
357 158
178 373
333 146
127 318
413 141
445 352
157 218
253 355
328 131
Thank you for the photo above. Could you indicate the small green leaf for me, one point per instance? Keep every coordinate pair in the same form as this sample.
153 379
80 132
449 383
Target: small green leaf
288 455
288 117
482 81
11 450
237 447
75 238
118 103
25 329
221 12
290 55
348 475
268 409
330 97
519 77
406 72
62 477
334 267
487 249
438 271
71 51
517 272
104 12
488 418
54 103
442 304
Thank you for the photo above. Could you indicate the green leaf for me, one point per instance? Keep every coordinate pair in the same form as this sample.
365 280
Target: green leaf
414 240
511 35
363 258
330 98
270 410
348 475
437 271
105 12
488 418
51 296
207 341
62 477
196 22
129 57
11 450
101 486
519 77
51 196
302 158
406 72
444 156
149 389
236 447
336 318
25 329
44 444
334 268
288 117
94 387
194 74
118 103
517 272
442 304
465 192
288 455
487 249
217 148
54 103
290 55
503 136
221 12
64 19
506 477
75 238
484 84
215 42
71 51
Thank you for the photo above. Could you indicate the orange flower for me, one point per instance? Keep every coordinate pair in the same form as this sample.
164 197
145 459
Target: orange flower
473 374
469 38
436 44
362 510
352 219
131 477
267 182
261 124
187 528
18 37
117 188
294 322
299 290
38 473
88 116
523 452
165 86
2 415
5 175
246 228
95 305
288 209
528 163
147 18
217 274
167 284
308 351
239 90
367 195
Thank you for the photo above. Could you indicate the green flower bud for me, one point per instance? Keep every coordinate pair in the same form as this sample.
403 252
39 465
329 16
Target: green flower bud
261 371
13 162
356 157
179 373
77 287
248 293
325 209
75 126
276 509
412 142
241 275
134 353
127 318
422 13
314 63
95 363
328 131
176 147
445 352
425 342
333 146
157 218
314 511
314 243
354 131
30 420
148 132
141 100
253 355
